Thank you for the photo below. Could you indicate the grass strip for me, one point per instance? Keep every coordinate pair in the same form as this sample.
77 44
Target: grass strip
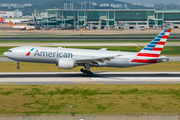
167 50
43 67
89 99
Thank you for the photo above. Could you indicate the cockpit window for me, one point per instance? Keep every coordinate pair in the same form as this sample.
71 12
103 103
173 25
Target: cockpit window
9 51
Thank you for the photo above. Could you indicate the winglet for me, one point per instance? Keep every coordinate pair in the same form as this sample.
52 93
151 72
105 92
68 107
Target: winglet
11 24
154 48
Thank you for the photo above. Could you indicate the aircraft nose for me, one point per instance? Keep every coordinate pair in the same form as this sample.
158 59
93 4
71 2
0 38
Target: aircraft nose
5 54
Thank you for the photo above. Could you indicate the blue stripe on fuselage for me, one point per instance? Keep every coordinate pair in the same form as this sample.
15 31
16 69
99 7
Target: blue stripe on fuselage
32 49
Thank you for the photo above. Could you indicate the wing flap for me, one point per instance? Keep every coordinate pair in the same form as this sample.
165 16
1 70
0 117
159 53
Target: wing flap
95 59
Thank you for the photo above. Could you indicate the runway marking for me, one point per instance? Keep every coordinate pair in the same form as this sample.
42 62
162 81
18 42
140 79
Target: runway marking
169 82
136 78
7 84
88 82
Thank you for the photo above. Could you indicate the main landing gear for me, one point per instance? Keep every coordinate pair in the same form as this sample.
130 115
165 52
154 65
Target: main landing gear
87 71
18 67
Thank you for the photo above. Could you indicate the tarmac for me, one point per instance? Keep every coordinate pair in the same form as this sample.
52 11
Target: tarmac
3 31
60 78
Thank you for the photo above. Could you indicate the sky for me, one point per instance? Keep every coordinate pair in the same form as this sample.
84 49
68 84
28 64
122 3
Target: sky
145 2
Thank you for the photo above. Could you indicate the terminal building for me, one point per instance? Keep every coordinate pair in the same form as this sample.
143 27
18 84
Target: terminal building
11 14
112 18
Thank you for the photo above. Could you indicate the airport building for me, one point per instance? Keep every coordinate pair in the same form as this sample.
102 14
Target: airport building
11 14
112 18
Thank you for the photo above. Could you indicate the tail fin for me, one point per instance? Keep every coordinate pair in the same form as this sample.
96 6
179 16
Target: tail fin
11 24
35 19
154 48
1 20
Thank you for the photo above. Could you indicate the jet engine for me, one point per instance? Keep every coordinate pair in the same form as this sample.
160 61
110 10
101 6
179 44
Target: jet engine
66 64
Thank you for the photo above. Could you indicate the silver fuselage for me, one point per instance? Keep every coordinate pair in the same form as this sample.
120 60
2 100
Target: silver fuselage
52 55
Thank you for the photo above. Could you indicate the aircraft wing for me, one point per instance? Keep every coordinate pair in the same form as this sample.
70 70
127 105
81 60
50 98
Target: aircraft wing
95 59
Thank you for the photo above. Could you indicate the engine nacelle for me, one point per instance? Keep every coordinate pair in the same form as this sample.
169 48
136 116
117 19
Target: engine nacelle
66 63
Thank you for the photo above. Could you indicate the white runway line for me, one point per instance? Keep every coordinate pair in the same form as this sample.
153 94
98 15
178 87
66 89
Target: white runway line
138 78
127 72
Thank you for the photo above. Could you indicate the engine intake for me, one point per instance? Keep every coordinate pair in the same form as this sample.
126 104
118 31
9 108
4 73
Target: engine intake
66 63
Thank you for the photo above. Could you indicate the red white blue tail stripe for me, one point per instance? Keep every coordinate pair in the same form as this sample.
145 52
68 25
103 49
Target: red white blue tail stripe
154 48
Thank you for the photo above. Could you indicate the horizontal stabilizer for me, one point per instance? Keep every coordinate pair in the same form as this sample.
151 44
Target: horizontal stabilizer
151 60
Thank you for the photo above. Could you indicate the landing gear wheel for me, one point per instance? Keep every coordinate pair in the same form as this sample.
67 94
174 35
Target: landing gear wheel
85 72
82 70
89 73
18 67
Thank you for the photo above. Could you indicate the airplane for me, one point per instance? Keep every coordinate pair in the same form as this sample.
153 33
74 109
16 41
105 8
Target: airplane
14 21
68 58
21 27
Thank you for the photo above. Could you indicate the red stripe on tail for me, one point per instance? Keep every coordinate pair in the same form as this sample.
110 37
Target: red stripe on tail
144 61
169 30
148 55
165 37
157 49
161 43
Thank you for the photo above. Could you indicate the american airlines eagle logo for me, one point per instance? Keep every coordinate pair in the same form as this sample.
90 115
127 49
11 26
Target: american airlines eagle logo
29 52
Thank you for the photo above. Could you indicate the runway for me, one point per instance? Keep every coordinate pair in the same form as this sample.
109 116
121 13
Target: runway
60 78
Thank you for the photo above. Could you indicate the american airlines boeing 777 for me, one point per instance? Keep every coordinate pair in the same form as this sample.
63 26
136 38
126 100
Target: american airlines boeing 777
67 58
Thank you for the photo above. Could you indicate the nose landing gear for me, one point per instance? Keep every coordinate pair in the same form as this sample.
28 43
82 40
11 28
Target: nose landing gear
18 67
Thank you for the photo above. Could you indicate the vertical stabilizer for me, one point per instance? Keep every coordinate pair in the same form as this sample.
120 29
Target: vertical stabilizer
2 20
11 24
154 48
